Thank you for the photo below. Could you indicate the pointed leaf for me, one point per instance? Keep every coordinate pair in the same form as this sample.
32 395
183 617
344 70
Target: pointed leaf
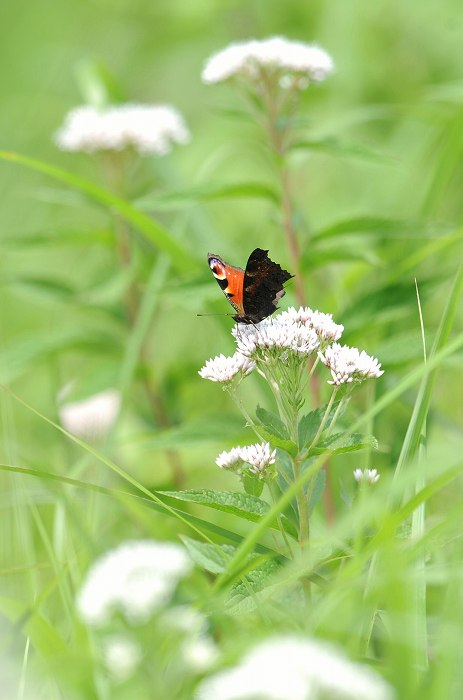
272 422
345 442
241 504
211 557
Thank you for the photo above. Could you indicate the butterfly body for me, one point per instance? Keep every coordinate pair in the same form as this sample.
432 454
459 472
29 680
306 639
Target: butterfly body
253 292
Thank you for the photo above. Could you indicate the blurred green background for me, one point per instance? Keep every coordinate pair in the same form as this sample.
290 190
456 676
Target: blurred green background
386 163
378 202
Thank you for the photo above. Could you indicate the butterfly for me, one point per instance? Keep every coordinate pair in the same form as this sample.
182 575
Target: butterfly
253 292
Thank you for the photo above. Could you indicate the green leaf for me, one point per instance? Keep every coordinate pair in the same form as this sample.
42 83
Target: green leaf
334 146
241 504
44 635
210 429
272 429
309 424
97 86
18 356
375 226
272 423
252 484
175 200
211 557
317 489
148 227
345 442
256 579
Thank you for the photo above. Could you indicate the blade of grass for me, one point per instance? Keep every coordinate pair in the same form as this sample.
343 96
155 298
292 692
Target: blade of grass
109 463
148 227
122 495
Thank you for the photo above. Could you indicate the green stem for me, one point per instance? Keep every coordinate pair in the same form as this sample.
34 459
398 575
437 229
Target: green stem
321 427
284 536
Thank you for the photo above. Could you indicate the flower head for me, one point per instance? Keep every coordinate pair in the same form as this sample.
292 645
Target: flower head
259 457
293 668
349 364
275 336
91 418
224 369
136 578
231 460
370 476
146 128
323 325
296 64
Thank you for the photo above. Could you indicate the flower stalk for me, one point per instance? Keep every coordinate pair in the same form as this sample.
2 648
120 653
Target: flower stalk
278 350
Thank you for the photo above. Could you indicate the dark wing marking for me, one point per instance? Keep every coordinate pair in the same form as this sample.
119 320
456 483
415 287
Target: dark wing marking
263 286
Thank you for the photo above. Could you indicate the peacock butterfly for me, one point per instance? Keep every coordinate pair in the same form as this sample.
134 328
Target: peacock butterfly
253 292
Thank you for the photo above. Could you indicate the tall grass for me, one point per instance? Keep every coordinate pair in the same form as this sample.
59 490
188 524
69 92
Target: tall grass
363 201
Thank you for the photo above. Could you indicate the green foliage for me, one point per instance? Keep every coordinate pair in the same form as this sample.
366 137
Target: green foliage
102 278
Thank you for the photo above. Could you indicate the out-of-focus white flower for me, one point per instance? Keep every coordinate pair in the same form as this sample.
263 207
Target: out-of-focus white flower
199 653
292 668
136 579
146 128
197 650
275 335
230 460
225 369
121 656
91 418
298 64
349 364
259 457
371 476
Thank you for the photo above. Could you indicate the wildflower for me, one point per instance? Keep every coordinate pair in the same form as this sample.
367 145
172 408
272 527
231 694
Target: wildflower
295 63
275 335
146 128
259 457
224 369
91 418
230 460
121 656
292 668
349 364
323 324
370 476
136 578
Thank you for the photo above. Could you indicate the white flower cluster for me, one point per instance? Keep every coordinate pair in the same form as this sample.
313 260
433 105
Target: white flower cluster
258 456
274 335
299 330
297 63
323 325
370 476
146 128
91 418
225 369
292 668
349 364
136 578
